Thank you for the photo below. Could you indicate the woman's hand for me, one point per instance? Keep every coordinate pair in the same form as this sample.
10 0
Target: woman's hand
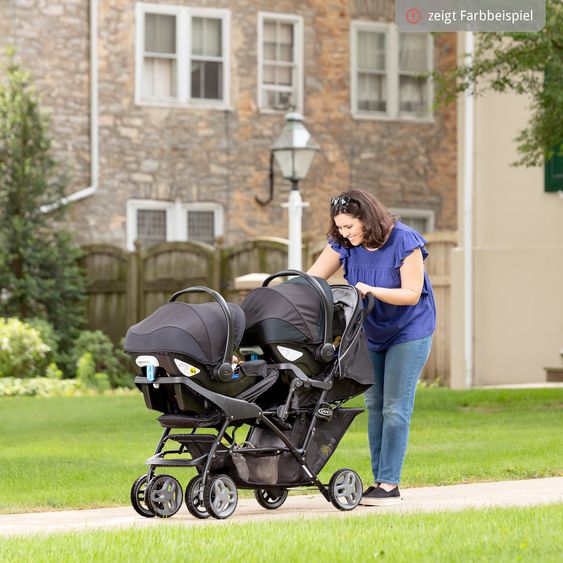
364 289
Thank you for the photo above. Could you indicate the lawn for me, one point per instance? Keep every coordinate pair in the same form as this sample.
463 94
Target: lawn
499 534
85 452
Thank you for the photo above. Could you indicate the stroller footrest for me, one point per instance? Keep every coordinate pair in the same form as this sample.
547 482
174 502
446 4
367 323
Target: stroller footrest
190 421
259 452
159 461
192 438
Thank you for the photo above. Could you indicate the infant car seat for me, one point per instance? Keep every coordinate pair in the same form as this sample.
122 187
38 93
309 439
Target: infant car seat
191 340
292 322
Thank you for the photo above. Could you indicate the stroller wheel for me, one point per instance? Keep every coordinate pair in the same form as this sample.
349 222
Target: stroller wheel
220 496
270 498
345 489
138 490
164 496
193 501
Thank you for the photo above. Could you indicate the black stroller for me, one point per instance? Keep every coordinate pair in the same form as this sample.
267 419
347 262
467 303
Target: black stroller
304 355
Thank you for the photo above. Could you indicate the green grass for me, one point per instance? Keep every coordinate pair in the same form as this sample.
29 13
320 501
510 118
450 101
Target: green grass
500 534
85 452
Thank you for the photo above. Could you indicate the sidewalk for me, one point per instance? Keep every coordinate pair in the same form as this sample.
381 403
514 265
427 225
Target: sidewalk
425 499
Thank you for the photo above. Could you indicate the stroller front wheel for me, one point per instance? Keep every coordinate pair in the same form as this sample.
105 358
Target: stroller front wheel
345 489
138 501
270 498
194 498
164 496
220 496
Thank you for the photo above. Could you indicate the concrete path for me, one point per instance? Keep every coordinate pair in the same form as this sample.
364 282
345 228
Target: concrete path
425 499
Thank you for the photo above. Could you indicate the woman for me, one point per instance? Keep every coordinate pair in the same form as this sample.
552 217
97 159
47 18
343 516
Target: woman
384 257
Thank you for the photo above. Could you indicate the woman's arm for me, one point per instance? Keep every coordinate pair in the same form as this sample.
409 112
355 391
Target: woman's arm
326 264
412 280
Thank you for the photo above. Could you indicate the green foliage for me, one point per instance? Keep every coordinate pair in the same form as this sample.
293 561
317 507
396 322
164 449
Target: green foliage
524 63
53 372
105 357
86 373
48 335
39 272
22 351
86 370
39 387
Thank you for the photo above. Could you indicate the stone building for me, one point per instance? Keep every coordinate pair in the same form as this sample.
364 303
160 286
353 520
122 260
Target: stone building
163 113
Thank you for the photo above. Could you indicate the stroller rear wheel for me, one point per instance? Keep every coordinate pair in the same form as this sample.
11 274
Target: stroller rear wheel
164 496
345 489
193 500
220 496
138 491
270 498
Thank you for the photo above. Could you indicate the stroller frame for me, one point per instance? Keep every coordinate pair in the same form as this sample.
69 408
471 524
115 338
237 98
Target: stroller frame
212 494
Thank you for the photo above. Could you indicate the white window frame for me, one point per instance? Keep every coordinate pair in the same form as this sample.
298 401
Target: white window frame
297 22
393 113
184 17
176 217
409 213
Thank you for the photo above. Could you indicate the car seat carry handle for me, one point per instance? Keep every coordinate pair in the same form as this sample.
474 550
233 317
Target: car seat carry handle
327 350
225 370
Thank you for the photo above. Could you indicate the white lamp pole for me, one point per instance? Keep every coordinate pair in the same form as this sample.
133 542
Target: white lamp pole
295 205
294 152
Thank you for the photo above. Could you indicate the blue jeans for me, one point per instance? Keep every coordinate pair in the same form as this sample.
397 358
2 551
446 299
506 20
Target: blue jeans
389 402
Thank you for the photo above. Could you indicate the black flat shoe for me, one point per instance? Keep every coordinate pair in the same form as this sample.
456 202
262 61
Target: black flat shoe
376 496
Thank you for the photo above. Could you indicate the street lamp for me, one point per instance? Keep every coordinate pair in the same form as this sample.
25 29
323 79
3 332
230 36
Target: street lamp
294 152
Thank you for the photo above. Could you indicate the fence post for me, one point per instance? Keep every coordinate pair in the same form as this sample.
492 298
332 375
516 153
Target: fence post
140 277
132 289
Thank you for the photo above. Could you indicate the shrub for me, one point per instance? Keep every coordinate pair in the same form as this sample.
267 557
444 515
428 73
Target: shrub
86 373
104 355
22 351
48 335
39 387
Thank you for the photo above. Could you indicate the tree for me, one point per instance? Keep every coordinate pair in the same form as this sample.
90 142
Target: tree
525 63
39 273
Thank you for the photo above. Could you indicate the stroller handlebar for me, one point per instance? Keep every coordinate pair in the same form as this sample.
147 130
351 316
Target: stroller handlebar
225 370
370 305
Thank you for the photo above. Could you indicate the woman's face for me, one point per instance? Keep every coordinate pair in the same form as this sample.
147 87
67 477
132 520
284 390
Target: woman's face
350 228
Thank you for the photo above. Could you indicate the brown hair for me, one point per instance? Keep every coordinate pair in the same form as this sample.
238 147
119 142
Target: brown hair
376 218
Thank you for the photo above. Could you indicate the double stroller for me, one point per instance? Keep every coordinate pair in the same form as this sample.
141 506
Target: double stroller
301 353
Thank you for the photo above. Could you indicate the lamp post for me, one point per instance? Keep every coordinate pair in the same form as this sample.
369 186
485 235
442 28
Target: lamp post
294 152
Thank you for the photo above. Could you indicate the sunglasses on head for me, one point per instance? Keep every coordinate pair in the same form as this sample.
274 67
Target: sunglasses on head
341 201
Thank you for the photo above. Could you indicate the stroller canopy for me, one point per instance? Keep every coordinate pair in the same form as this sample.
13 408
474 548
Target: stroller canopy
291 311
198 331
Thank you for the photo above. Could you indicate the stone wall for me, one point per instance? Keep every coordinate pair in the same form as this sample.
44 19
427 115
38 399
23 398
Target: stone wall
223 156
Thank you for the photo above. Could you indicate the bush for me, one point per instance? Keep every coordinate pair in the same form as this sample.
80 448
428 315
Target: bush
105 358
22 350
48 335
39 387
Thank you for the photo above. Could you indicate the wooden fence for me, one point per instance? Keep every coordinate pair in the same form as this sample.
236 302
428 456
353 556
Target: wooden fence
124 287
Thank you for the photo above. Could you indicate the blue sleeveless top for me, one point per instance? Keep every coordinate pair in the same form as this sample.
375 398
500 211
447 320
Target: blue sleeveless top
388 325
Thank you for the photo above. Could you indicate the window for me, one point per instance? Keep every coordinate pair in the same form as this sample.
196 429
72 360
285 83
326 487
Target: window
182 56
387 72
152 222
159 57
421 220
207 62
151 226
553 172
280 61
201 226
